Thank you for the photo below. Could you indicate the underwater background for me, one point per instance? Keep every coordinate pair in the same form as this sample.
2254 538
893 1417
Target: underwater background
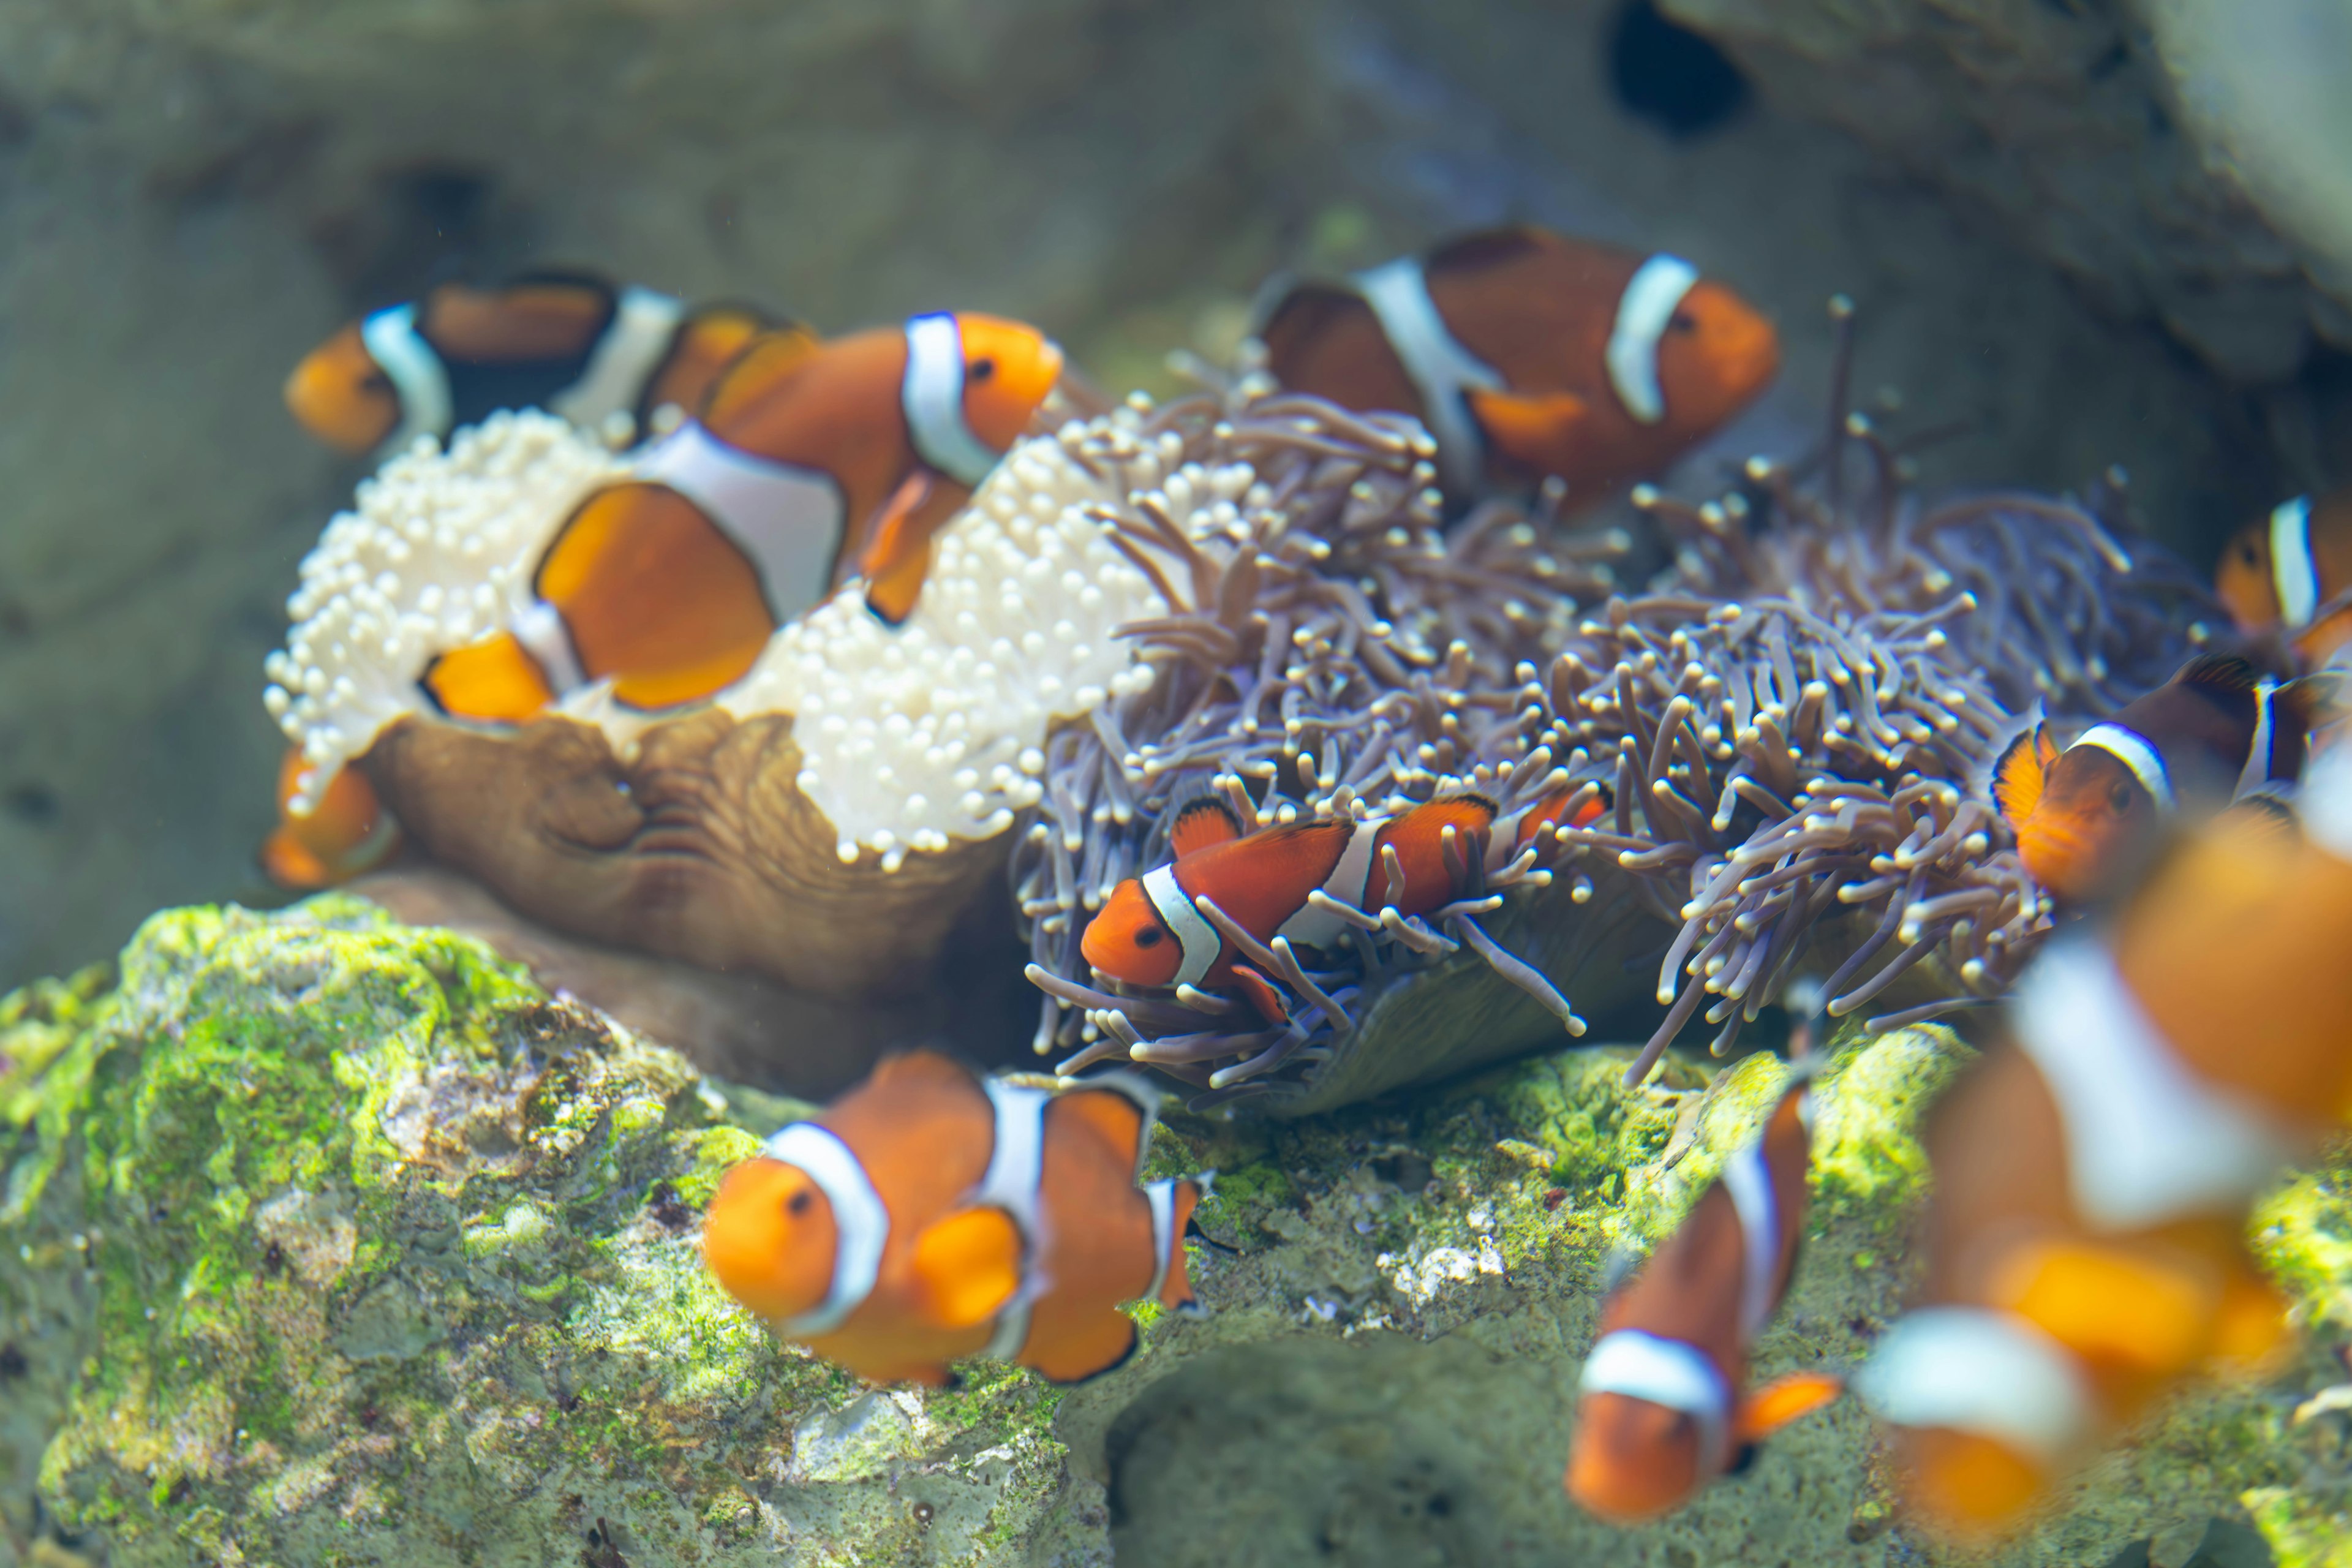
466 1321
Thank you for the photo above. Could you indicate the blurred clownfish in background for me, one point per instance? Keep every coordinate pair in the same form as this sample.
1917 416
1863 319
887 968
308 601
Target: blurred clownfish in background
1662 1406
931 1214
569 342
2217 731
1151 933
807 463
2289 573
347 832
2085 1246
1529 354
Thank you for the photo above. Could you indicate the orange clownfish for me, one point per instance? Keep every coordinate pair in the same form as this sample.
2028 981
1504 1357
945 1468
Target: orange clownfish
565 342
2085 1251
1529 354
931 1214
1661 1405
2216 730
347 832
807 462
2290 571
1151 933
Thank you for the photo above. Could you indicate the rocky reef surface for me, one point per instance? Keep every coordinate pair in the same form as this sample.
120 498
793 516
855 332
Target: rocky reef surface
325 1240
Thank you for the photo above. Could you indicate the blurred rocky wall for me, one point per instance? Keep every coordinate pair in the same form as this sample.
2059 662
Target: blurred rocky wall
191 194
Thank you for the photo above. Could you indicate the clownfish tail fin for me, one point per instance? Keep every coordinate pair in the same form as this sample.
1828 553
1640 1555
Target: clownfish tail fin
2220 672
1200 821
2017 773
1784 1399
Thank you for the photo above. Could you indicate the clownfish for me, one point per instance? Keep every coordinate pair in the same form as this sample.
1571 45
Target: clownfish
347 832
1662 1406
807 463
931 1214
1529 354
569 342
1151 932
2215 731
2085 1249
2289 573
1523 827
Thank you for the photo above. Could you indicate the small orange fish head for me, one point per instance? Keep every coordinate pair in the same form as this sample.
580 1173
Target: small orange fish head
341 395
2090 808
1632 1459
2244 581
1008 369
769 1238
1716 354
1129 942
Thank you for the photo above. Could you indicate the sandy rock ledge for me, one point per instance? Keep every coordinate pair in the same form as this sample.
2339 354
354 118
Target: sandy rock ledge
329 1241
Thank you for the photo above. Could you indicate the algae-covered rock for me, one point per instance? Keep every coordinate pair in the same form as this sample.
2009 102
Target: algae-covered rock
329 1241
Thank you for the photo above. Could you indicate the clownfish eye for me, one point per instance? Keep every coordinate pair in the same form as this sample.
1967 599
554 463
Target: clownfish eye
981 368
1149 937
799 1202
2119 797
376 380
1682 321
2250 555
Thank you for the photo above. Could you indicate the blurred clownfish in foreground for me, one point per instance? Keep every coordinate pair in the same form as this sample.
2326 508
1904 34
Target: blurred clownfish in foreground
569 342
931 1214
1662 1406
1292 882
808 463
2216 732
1529 354
2085 1249
2291 574
347 832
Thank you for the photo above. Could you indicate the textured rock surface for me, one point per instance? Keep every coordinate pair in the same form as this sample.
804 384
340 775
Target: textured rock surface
326 1241
2062 121
191 194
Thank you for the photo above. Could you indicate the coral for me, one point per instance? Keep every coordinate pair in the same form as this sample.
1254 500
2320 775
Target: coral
328 1240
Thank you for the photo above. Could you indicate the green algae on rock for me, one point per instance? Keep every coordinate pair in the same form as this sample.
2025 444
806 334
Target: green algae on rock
327 1240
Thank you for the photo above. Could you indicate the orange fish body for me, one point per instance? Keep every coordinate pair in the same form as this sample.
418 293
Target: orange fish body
2085 1249
347 832
2289 573
1572 807
1151 933
568 342
807 463
1662 1406
931 1215
2083 815
1529 354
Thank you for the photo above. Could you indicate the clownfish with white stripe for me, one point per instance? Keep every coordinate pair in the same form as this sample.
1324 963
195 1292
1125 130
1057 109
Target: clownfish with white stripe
808 463
2291 574
1529 354
2218 731
1151 933
1662 1406
931 1215
2086 1243
569 342
347 832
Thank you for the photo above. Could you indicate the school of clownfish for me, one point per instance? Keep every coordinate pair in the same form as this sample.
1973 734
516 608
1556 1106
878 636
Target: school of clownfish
2178 1041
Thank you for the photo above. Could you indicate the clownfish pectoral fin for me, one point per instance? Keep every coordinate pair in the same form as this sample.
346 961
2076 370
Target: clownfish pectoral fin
1784 1399
1529 425
967 1265
495 680
898 553
1203 821
1103 1344
1263 995
2017 773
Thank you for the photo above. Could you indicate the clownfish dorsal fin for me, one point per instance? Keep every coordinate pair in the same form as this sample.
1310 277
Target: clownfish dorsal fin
1199 823
1485 248
754 373
967 1265
2227 674
1767 1409
1294 312
2019 771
